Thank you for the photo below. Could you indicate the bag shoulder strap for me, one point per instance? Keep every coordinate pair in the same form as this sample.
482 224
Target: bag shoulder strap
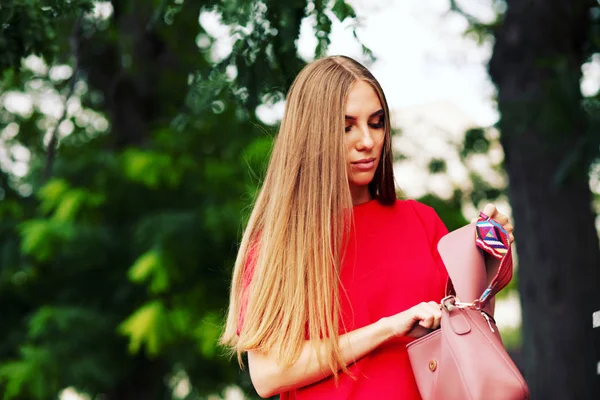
493 239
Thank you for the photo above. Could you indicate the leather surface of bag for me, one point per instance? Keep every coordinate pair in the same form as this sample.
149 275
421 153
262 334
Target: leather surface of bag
465 359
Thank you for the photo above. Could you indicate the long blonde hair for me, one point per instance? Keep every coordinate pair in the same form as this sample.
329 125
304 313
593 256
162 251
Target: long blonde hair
300 219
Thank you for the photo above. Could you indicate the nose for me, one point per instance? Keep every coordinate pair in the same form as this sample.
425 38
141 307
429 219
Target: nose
366 141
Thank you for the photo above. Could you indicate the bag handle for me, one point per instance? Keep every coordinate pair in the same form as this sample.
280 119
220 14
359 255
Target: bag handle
492 239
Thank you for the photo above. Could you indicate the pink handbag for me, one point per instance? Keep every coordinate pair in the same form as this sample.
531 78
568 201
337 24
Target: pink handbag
465 359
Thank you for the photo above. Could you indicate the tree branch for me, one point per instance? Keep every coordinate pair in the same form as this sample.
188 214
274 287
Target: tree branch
52 144
476 25
156 16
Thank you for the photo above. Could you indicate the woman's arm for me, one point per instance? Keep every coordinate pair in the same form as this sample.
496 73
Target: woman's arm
269 378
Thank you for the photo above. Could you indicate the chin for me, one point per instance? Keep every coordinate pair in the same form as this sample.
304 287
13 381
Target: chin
361 181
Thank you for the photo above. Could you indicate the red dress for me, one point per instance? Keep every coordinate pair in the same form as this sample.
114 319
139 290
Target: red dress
392 264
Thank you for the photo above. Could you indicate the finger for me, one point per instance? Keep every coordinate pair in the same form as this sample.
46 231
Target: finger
501 219
425 312
437 314
508 228
434 310
511 238
489 210
431 307
427 322
418 313
437 318
435 307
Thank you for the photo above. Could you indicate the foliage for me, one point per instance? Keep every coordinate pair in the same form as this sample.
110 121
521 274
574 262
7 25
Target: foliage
114 266
32 27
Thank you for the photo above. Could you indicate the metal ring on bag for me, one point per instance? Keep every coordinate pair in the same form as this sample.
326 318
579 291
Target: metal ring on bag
448 303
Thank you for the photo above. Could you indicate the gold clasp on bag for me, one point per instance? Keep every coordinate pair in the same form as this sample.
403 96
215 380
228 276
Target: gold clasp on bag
432 365
451 302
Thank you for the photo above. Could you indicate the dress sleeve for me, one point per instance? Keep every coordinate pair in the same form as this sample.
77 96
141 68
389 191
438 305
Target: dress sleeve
247 275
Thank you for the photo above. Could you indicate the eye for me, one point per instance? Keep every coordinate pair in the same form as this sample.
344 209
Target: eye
379 124
348 128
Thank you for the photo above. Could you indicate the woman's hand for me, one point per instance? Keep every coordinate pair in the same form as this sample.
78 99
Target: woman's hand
491 211
417 321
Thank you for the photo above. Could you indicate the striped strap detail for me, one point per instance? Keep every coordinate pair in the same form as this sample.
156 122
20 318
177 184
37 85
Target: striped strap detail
491 236
493 239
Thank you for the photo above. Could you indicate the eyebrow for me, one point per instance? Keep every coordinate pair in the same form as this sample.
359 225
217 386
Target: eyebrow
375 114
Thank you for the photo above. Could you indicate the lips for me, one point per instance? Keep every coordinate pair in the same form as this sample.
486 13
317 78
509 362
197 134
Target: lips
365 164
364 161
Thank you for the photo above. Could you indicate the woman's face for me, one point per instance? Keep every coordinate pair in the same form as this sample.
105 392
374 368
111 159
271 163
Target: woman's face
364 136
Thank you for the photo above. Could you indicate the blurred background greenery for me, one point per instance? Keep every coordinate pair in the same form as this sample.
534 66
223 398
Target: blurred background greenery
131 150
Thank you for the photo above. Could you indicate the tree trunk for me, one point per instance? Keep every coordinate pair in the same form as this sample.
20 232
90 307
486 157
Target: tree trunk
141 73
143 78
536 66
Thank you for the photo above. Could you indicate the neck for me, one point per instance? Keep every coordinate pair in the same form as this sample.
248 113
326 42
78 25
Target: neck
360 194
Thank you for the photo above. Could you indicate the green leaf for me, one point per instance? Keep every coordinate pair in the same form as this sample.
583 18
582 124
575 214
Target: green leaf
151 265
58 319
35 235
475 142
41 237
150 168
66 202
28 377
146 326
69 205
143 267
13 375
437 166
139 167
343 10
207 334
181 320
51 194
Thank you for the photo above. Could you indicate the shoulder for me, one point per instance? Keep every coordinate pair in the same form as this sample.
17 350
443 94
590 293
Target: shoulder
423 211
427 216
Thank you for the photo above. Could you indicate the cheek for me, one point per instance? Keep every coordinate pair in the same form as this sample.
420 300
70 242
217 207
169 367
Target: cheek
380 142
349 146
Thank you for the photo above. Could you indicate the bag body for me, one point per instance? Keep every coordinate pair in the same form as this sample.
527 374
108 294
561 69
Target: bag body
465 359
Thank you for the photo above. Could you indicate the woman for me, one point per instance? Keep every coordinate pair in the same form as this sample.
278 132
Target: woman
334 275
